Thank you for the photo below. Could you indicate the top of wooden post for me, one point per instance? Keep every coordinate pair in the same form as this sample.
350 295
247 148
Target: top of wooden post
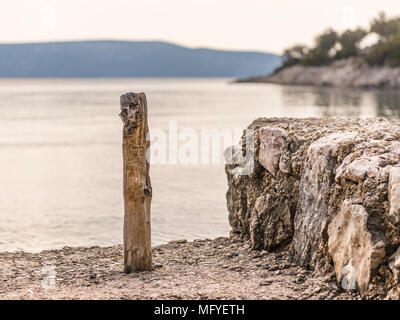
133 110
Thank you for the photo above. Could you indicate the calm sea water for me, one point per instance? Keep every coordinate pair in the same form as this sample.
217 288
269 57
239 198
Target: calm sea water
61 161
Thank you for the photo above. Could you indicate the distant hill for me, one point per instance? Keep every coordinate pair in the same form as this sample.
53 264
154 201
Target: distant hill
129 59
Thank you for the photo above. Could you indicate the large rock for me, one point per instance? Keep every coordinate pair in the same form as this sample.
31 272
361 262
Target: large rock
326 190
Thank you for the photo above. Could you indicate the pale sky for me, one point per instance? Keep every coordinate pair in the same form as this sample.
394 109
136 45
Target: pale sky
266 25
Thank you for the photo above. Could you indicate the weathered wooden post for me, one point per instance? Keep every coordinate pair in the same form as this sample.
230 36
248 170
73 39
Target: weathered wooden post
137 186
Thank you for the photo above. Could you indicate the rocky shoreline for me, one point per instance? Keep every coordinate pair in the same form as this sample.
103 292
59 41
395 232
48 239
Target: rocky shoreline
350 72
223 268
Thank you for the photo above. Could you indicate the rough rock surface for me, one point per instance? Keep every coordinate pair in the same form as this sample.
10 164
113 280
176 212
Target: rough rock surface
354 250
350 72
328 192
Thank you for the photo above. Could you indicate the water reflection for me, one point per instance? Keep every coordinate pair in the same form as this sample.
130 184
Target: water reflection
388 103
344 102
60 155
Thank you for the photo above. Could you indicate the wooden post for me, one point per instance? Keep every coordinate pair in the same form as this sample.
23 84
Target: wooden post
137 186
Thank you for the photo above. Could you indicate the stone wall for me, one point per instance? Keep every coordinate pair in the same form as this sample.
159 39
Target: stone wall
326 190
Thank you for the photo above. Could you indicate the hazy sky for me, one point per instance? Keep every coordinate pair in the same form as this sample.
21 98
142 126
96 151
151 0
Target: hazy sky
228 24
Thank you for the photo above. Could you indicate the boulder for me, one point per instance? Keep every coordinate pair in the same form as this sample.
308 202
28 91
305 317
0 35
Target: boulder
328 191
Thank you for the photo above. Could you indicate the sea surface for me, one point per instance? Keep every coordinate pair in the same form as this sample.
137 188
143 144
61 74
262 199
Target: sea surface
61 157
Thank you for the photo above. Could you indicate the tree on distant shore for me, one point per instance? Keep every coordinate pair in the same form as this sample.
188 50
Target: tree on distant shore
326 41
295 54
322 52
385 28
386 53
349 42
387 50
331 45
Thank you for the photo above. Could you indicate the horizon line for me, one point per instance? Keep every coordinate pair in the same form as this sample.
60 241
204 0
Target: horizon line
142 40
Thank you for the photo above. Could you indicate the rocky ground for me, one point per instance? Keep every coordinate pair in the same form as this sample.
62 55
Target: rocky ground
224 268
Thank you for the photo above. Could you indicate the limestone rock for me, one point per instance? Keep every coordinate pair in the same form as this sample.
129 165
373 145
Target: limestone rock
394 265
270 224
324 190
358 170
273 145
316 184
355 250
394 195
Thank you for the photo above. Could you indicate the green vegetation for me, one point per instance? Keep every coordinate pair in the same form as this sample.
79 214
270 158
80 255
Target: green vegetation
330 45
349 42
